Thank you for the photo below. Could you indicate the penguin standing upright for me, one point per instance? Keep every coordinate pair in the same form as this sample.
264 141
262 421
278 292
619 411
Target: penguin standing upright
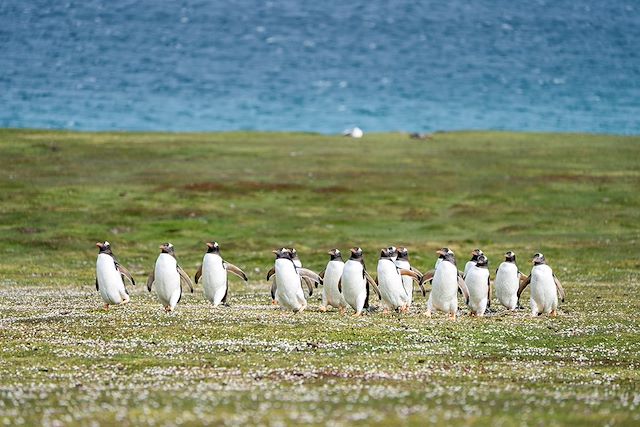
445 283
110 276
394 295
213 271
298 263
402 261
507 281
545 288
167 275
474 258
331 275
479 285
289 292
355 282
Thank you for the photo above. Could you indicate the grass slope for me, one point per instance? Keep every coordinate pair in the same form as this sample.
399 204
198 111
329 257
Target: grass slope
64 361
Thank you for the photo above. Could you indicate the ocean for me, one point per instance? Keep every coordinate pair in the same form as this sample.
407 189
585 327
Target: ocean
321 66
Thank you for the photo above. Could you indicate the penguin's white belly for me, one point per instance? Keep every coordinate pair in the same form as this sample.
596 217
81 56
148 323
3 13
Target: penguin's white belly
477 282
467 267
390 285
110 282
444 290
214 278
332 275
544 298
167 280
506 285
289 293
407 282
354 288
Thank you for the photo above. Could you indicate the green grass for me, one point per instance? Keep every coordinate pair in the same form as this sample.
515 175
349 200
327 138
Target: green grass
65 361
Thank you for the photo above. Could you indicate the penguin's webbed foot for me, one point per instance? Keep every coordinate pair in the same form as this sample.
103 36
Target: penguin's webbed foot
106 307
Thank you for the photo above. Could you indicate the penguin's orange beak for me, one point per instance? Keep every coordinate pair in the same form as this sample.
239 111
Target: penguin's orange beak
274 252
99 244
440 252
209 244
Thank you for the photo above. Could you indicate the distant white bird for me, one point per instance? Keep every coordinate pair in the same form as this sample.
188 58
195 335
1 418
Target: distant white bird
356 132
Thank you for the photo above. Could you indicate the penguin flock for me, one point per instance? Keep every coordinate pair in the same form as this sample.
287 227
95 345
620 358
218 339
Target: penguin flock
346 284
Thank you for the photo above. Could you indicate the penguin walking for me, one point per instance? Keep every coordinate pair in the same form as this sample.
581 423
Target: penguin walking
298 263
213 272
507 281
288 293
331 296
446 280
394 295
355 282
110 275
545 288
474 258
479 285
402 261
168 276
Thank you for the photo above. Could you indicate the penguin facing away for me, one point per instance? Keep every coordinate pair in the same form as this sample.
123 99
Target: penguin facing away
288 293
507 281
168 277
213 271
331 295
446 280
474 258
394 295
355 282
110 275
402 261
479 285
545 288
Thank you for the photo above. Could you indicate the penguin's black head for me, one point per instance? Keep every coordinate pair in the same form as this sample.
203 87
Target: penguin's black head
356 253
403 253
447 255
475 254
442 252
104 248
482 261
294 253
167 248
385 253
335 254
213 248
538 259
510 256
283 253
393 251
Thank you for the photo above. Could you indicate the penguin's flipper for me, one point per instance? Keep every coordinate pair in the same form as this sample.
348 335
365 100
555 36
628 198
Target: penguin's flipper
340 284
463 288
274 287
524 281
198 274
308 282
415 276
306 273
489 292
415 270
373 284
235 270
97 287
184 277
426 277
123 271
271 273
321 274
150 279
559 287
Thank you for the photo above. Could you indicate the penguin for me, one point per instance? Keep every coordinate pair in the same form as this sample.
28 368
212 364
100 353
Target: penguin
331 275
298 263
441 256
355 282
394 295
393 253
213 271
402 261
288 293
446 280
507 281
479 285
545 288
474 257
168 276
110 275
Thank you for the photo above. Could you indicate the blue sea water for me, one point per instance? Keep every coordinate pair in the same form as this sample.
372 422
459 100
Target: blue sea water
547 65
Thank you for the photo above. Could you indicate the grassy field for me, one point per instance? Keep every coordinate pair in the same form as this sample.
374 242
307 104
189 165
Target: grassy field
65 361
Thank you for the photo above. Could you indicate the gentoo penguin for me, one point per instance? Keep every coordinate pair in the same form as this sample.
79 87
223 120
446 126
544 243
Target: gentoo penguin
402 261
507 281
393 253
213 271
355 282
479 285
394 295
474 257
441 256
545 288
446 281
110 276
331 275
167 275
288 293
298 263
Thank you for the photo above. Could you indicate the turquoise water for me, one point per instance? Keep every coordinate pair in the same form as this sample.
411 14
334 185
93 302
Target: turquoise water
321 66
